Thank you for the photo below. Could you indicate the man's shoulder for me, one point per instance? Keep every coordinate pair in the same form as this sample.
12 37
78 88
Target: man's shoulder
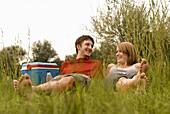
96 61
82 61
69 61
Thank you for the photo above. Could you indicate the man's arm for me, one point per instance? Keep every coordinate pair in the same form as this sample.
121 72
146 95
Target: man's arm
62 68
100 70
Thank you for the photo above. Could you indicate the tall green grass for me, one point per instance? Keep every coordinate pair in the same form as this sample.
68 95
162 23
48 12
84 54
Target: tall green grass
96 99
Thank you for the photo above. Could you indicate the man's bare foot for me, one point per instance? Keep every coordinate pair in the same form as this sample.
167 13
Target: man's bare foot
15 82
24 81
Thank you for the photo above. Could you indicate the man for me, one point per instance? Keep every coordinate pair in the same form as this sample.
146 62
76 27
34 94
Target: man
79 69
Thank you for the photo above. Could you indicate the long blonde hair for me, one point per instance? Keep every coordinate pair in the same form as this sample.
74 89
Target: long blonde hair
129 49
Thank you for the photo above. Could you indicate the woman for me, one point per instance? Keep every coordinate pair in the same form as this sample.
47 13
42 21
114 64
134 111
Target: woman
128 72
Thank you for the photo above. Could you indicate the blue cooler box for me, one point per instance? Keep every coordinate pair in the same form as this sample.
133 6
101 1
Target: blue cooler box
38 71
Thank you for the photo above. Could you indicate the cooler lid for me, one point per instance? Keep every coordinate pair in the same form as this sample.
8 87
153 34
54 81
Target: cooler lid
40 65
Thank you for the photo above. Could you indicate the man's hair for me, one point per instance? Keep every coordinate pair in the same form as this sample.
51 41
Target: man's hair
129 49
80 40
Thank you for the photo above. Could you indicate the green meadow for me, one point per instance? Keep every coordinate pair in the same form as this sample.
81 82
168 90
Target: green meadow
95 99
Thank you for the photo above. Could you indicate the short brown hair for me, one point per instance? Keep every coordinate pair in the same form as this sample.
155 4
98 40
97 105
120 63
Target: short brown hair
129 49
80 40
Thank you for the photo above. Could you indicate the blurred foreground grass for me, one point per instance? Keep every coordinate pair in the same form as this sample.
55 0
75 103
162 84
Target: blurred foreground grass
94 100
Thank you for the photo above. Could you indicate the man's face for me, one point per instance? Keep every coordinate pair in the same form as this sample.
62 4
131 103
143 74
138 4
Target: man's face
85 49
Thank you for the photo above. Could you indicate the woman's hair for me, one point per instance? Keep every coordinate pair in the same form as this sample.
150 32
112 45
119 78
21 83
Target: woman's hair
80 40
129 49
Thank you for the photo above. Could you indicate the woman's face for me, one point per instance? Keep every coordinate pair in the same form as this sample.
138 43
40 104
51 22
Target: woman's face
121 57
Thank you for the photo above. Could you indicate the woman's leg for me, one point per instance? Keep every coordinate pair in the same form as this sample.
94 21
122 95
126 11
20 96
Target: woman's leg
139 80
125 84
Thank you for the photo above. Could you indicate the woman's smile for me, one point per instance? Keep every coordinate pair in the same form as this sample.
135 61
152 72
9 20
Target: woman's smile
121 57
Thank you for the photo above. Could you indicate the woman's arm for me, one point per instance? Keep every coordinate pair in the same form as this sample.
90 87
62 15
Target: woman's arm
108 68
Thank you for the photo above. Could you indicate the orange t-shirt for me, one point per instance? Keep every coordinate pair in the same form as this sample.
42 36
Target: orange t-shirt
89 67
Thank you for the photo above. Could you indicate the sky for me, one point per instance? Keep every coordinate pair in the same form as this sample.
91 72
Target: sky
59 21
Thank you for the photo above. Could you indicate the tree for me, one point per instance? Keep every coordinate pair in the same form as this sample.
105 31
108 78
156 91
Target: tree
58 61
106 53
127 20
70 57
146 26
43 52
10 58
96 54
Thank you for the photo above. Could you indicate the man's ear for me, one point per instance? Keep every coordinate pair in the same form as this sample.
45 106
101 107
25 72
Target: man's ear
78 46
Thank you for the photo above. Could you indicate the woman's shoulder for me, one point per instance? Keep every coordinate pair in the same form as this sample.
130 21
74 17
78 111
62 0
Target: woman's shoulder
111 65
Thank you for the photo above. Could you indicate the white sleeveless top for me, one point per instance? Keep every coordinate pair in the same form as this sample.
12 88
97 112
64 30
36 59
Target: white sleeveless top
124 72
116 73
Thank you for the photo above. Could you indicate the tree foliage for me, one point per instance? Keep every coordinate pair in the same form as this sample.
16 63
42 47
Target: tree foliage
146 26
70 57
96 54
43 52
129 20
58 61
10 58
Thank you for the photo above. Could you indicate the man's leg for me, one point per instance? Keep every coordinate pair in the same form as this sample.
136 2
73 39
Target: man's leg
64 83
24 80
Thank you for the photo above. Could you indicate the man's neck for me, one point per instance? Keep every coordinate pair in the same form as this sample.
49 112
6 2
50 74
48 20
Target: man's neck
79 56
